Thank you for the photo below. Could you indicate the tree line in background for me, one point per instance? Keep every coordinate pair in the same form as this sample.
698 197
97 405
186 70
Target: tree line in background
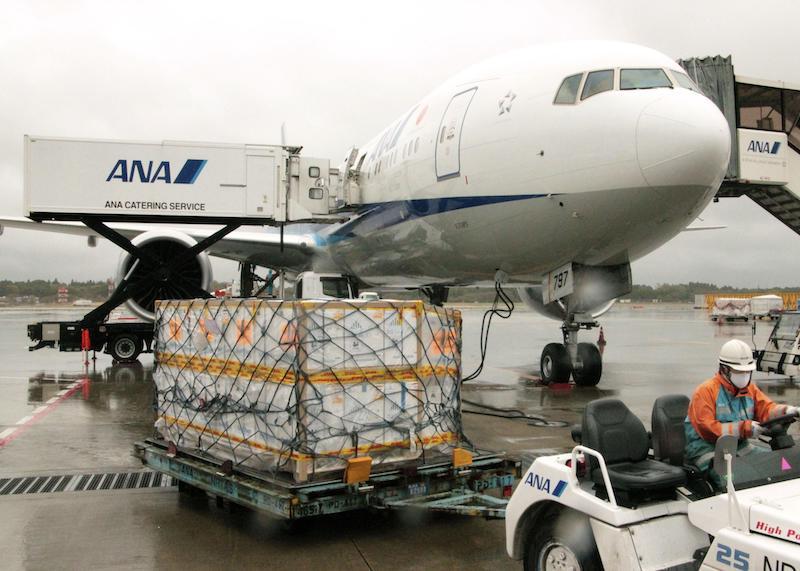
686 292
46 291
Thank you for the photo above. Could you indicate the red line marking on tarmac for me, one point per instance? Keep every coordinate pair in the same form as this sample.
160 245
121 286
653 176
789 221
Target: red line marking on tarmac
24 423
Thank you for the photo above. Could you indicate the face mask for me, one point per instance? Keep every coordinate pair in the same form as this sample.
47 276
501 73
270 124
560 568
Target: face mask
740 380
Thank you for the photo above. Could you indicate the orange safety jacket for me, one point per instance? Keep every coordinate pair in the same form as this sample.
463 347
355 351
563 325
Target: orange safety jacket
718 408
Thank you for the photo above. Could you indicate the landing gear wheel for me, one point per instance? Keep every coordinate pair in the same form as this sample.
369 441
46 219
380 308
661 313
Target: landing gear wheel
592 370
124 348
555 364
565 542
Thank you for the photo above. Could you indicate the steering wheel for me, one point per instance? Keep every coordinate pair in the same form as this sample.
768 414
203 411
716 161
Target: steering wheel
783 420
777 430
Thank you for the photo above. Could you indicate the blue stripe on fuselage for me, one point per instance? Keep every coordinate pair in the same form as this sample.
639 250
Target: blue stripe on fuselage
380 215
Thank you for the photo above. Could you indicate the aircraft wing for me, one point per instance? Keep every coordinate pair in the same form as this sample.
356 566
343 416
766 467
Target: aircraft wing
254 244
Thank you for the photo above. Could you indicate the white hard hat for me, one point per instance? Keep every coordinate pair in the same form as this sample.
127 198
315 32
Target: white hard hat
737 355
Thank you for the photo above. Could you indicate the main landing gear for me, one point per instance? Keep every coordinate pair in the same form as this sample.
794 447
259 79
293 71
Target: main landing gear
581 360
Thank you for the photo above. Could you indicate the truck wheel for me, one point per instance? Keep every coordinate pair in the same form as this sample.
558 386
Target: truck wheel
125 347
564 541
554 364
592 369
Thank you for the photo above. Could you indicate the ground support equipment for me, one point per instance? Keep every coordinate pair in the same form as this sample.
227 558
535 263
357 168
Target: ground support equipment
438 486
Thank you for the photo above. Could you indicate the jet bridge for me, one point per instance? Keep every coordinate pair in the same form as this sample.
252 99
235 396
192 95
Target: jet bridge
764 118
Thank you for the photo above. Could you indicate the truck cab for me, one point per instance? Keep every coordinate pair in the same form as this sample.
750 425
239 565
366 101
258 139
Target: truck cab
312 285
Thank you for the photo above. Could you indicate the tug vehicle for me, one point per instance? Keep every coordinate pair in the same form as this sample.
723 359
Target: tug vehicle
613 503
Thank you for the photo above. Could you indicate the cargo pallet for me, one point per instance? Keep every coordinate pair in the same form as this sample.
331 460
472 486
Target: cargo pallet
440 486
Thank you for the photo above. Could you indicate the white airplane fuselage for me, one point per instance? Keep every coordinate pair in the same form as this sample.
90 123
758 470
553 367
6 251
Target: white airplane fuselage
488 173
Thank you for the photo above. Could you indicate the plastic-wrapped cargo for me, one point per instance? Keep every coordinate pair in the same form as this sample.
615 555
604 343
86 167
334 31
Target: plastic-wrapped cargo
730 308
299 387
769 305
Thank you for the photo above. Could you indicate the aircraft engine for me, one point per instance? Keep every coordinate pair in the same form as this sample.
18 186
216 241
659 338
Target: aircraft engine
532 296
173 280
596 288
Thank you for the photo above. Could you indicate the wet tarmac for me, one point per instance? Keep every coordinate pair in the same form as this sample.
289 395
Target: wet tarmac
69 423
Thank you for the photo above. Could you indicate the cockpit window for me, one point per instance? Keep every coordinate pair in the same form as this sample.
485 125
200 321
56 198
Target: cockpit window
569 89
598 82
643 79
685 81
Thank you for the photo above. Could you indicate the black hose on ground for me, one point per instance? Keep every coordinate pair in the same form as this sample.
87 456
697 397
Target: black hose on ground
486 324
503 312
511 414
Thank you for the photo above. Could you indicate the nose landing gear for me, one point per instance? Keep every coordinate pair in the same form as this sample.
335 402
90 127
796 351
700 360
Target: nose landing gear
582 360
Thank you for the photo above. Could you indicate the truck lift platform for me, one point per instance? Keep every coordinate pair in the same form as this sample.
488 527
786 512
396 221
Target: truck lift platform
438 486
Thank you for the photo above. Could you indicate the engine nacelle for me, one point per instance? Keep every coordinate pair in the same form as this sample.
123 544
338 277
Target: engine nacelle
171 280
532 296
596 288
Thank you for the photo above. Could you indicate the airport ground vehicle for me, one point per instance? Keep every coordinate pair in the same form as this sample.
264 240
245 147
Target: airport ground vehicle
609 504
121 335
766 306
730 309
125 336
446 486
781 353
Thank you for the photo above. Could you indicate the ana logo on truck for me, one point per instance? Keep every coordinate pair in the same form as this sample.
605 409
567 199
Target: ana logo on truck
150 171
763 147
544 484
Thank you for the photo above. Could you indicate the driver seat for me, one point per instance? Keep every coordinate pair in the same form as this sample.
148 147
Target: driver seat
669 434
610 428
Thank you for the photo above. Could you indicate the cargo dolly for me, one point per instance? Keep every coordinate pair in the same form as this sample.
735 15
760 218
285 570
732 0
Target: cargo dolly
438 486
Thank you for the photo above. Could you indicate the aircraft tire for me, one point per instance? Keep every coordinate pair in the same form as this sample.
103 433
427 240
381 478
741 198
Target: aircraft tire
592 370
555 364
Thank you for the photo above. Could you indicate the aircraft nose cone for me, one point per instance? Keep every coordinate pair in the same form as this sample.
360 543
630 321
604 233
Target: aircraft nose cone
683 140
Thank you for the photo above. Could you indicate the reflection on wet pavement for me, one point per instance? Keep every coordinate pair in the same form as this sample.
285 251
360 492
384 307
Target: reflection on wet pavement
650 352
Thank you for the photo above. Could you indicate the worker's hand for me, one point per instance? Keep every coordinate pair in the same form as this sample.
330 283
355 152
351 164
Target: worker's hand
757 429
793 410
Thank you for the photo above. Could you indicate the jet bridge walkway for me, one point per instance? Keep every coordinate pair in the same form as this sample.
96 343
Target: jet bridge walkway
764 119
779 201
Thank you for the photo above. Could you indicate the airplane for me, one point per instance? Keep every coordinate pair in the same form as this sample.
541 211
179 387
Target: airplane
548 169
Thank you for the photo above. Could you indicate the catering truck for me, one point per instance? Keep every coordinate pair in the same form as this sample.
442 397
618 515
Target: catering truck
97 182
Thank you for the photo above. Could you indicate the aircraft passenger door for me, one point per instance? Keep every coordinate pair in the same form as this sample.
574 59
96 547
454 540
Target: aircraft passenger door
448 138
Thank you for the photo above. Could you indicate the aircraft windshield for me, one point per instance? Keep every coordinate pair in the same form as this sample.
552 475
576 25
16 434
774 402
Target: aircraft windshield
685 81
643 79
568 91
598 82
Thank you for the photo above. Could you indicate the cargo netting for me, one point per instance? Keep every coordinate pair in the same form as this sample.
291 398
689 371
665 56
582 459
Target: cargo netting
299 387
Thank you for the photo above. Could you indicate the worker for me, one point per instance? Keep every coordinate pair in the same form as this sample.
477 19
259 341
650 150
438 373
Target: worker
728 404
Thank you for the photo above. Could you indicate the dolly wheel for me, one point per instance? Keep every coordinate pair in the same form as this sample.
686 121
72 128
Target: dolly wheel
563 541
125 347
589 375
555 364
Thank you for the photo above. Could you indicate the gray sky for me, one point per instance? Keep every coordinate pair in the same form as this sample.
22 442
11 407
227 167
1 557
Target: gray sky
337 73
